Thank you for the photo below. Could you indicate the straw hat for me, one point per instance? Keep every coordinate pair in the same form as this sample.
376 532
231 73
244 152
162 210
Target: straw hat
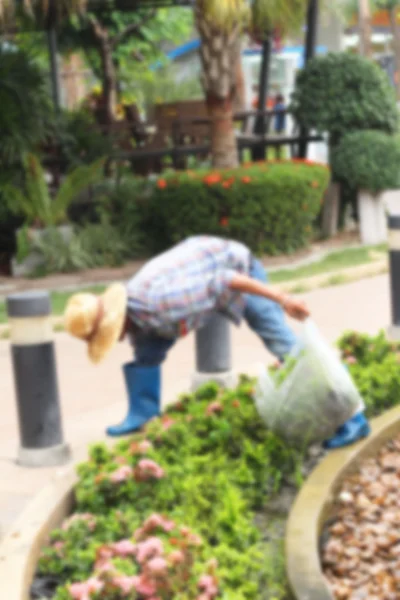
97 320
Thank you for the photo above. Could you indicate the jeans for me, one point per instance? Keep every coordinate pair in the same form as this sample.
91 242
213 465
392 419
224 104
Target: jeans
264 317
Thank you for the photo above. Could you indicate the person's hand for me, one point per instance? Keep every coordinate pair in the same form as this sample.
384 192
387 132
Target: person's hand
295 309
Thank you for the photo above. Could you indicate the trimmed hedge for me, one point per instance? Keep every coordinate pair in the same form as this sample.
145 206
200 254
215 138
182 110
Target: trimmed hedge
342 92
270 206
368 160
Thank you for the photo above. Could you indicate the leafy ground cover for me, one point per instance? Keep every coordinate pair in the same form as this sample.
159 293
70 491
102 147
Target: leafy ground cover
194 507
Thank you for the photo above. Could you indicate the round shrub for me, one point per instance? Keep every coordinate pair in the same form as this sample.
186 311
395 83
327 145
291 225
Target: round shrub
271 207
338 93
368 160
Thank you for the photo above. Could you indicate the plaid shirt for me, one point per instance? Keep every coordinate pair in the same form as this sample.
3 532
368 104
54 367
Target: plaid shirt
178 291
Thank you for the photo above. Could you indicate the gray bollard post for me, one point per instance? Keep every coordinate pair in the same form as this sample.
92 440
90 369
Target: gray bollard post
35 378
213 353
394 274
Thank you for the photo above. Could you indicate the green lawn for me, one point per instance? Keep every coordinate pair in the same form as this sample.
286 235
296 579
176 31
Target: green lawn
58 301
333 262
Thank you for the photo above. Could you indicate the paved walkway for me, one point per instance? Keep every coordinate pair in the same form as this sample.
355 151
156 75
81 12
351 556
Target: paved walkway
93 397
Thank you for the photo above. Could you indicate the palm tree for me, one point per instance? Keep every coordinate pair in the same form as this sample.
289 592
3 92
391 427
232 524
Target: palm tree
220 24
353 7
8 7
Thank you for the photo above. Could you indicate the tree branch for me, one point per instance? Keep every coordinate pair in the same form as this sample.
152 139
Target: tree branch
132 28
100 32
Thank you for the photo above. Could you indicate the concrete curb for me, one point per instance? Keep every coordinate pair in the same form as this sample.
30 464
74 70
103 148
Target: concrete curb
314 504
341 276
20 549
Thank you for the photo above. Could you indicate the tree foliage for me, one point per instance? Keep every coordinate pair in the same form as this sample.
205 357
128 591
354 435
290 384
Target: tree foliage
24 102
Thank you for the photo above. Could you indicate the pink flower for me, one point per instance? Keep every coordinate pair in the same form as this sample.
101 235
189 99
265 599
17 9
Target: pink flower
195 540
141 447
85 517
351 360
177 557
148 469
167 423
213 408
124 583
59 546
122 474
208 585
124 548
103 566
148 549
145 446
84 590
104 552
144 586
156 521
157 566
192 538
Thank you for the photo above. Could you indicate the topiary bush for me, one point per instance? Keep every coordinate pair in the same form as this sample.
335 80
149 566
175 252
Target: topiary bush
367 160
271 207
339 93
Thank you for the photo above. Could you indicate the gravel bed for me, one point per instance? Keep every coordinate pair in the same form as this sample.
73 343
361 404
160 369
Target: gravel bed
360 546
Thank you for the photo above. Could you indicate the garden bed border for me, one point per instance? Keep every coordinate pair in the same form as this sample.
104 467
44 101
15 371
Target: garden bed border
314 503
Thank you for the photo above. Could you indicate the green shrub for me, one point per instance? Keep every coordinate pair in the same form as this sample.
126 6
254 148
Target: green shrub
271 207
26 115
125 204
339 93
367 160
374 363
90 246
81 139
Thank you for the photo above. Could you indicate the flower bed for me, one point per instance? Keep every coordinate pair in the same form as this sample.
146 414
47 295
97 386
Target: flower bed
194 508
181 511
270 206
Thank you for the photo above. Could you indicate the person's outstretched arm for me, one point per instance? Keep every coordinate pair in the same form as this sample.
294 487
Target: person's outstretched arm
296 309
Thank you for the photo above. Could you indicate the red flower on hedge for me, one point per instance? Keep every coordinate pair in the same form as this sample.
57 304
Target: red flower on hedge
315 184
224 222
228 183
212 179
246 179
161 184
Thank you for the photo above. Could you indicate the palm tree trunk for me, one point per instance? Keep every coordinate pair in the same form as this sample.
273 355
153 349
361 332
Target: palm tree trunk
364 16
396 46
223 139
239 101
218 54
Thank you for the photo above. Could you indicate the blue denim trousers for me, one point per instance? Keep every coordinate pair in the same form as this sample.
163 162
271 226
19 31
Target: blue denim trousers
264 317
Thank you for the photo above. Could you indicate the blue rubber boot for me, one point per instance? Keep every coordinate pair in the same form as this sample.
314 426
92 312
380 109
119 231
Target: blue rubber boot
144 390
353 430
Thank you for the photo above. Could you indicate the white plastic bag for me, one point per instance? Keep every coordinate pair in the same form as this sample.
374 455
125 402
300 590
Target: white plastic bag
316 396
